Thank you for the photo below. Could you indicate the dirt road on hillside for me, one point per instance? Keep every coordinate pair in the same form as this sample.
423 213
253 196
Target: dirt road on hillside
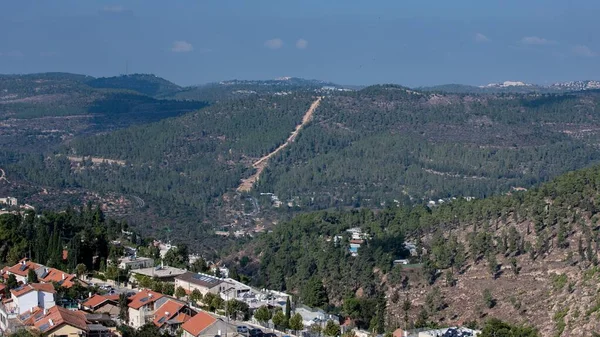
261 164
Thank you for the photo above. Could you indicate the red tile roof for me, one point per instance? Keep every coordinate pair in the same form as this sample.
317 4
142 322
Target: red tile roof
166 311
113 297
58 316
28 318
24 289
182 318
95 301
198 323
55 275
144 297
18 268
45 287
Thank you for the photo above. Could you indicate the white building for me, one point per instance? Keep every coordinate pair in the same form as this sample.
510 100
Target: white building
203 282
26 298
133 262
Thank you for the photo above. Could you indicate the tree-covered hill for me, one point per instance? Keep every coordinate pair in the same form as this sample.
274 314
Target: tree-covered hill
387 142
530 257
146 84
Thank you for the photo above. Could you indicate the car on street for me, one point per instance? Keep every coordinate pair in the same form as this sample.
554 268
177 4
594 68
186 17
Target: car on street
255 332
242 329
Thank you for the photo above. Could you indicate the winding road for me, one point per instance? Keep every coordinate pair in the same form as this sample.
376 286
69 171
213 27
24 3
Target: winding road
3 176
260 165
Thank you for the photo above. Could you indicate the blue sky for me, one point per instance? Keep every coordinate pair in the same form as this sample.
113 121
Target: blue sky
412 43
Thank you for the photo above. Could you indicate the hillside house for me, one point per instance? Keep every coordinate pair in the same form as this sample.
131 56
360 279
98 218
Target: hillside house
142 307
61 322
24 299
202 324
133 262
99 304
171 314
21 269
203 282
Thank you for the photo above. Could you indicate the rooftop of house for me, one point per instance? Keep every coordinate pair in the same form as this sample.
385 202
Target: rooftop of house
23 267
132 259
179 319
160 272
202 280
198 323
166 311
57 316
55 275
96 300
144 297
31 316
24 289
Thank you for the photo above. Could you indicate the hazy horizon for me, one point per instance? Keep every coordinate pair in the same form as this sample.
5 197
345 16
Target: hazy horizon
412 44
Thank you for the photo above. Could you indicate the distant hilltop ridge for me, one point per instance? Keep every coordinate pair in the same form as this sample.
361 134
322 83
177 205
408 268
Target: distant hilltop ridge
569 85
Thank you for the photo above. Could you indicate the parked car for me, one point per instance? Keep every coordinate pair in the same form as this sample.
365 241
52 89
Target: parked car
255 332
270 334
242 329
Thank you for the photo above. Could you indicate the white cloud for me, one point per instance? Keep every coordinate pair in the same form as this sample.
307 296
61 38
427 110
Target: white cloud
301 44
480 38
114 9
585 51
182 47
537 41
274 43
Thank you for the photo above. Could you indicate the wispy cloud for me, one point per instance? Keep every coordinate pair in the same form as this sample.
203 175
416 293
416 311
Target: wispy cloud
480 38
584 51
274 43
301 44
536 41
182 47
11 53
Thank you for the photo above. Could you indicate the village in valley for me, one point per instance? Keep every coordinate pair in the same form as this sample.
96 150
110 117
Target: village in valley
147 294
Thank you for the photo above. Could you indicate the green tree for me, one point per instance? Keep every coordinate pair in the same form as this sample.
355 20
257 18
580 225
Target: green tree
288 311
209 299
262 314
217 303
32 276
279 320
488 298
296 323
316 329
179 292
331 329
314 294
11 283
493 266
123 308
496 328
148 330
168 288
513 266
196 296
80 270
450 280
234 308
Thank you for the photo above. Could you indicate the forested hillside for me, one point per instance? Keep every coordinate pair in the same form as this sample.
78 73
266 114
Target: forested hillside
146 84
375 147
386 142
530 257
